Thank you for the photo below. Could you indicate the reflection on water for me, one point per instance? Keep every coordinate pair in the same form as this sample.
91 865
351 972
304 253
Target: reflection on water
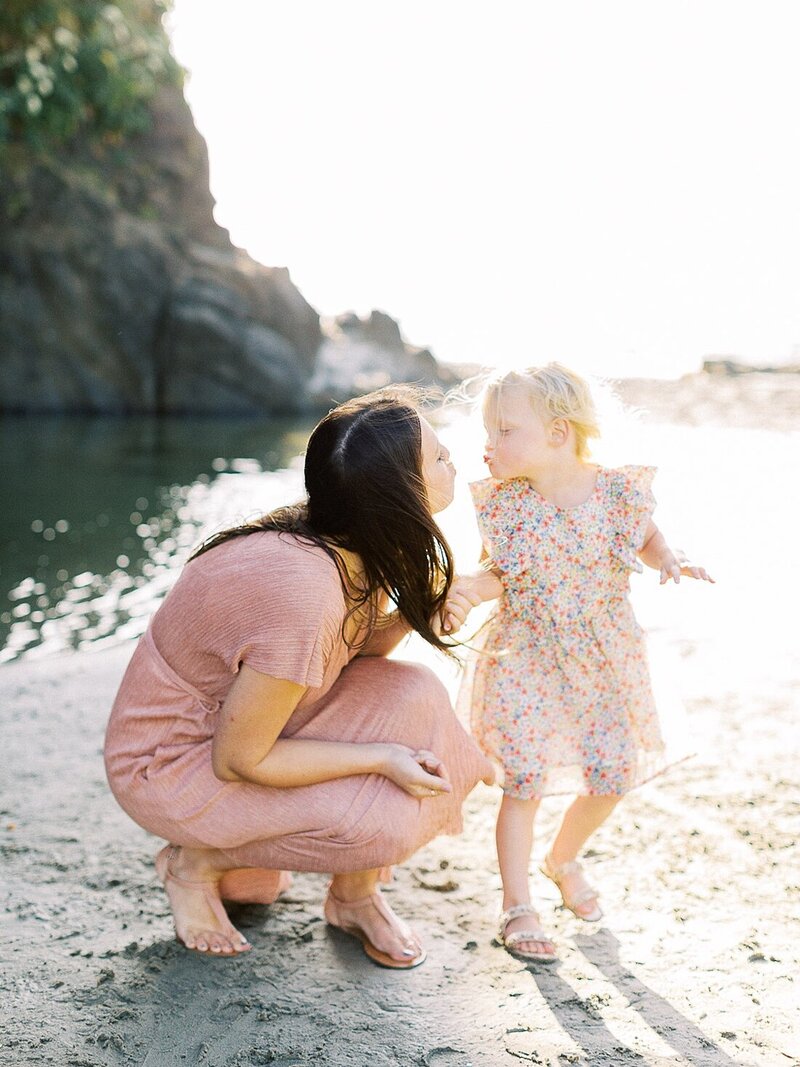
101 512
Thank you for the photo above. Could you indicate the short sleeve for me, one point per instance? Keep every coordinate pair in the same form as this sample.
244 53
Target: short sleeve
630 506
280 608
506 539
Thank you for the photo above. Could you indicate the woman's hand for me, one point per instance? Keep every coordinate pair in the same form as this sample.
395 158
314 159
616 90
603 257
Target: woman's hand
418 771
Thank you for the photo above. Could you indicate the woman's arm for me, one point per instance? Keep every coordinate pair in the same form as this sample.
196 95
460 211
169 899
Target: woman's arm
386 636
656 553
247 746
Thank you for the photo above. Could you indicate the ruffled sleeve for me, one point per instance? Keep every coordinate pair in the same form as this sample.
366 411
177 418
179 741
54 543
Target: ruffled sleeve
630 507
505 534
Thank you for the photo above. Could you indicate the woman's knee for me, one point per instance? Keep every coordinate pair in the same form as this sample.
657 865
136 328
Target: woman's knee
420 689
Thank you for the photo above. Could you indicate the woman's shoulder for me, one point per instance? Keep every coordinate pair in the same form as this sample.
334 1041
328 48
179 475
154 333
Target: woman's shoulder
269 557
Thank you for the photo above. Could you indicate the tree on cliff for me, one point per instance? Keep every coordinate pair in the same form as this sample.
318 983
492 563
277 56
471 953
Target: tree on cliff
119 292
89 68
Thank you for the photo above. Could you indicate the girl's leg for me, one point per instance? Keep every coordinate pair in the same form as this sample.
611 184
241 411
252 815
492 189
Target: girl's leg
514 844
585 815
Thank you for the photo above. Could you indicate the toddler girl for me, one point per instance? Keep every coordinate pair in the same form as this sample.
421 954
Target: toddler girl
561 693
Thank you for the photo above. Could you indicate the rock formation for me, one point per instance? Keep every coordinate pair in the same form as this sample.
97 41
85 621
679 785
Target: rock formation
119 293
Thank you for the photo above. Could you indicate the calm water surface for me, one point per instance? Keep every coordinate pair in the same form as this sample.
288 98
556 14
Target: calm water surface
100 513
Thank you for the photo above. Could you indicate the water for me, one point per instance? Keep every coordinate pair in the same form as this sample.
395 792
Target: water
100 513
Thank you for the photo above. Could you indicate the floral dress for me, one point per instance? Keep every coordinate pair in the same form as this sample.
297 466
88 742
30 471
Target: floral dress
560 690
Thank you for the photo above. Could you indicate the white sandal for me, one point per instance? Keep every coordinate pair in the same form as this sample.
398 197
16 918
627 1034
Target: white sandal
536 933
583 896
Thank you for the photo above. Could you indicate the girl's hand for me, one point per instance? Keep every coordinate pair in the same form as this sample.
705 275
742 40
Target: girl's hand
466 593
461 599
674 566
419 772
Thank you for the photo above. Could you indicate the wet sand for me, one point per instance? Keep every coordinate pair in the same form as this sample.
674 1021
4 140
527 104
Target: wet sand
695 962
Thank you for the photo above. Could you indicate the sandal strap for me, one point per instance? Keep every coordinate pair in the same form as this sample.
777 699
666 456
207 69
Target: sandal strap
377 901
583 896
514 912
563 869
557 875
170 852
527 935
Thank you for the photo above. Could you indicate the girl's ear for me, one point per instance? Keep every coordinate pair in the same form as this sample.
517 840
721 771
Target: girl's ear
559 431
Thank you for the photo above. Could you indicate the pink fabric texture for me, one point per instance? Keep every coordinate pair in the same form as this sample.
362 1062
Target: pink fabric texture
276 604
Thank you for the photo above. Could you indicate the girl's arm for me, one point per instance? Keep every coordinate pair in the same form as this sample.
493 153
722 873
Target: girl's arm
246 746
470 590
656 553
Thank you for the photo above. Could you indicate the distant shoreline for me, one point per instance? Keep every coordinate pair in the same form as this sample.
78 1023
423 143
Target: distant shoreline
722 393
752 399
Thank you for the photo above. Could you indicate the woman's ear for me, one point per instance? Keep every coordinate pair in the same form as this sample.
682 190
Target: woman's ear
559 431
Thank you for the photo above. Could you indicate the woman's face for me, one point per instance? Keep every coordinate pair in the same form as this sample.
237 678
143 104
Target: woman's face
438 472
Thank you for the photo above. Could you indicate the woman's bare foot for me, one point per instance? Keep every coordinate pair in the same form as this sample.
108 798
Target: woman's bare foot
387 939
191 882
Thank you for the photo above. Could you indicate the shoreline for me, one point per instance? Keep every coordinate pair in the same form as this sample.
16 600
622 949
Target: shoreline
693 964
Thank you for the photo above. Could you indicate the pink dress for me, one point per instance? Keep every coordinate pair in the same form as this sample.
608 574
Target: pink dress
276 604
560 690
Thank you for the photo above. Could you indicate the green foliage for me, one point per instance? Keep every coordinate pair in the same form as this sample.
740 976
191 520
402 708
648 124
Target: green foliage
81 67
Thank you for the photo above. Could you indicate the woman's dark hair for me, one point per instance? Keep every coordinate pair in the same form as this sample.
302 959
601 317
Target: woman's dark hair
366 494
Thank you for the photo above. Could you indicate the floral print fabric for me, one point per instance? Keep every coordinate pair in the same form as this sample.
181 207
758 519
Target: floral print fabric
560 690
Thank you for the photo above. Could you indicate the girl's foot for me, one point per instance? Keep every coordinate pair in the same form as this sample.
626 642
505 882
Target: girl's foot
386 938
521 935
192 886
576 893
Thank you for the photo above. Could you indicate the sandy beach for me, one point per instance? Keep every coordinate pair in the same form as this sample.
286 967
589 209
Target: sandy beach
696 962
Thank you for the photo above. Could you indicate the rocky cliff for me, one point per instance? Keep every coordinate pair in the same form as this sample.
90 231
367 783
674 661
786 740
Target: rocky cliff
120 293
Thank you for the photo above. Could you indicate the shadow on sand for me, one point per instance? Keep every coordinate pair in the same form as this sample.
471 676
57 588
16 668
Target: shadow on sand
581 1018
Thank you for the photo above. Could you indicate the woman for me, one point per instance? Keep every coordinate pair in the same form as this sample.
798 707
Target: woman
259 727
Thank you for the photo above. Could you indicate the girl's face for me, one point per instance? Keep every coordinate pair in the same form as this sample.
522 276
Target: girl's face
438 472
518 440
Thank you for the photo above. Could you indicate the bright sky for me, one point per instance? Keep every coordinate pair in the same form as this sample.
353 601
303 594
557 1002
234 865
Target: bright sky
613 184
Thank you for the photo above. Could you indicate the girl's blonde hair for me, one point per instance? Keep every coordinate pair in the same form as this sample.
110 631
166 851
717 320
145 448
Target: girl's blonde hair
557 392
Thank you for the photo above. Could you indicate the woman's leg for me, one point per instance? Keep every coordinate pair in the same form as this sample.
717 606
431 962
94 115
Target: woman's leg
191 878
350 826
585 815
514 843
385 930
